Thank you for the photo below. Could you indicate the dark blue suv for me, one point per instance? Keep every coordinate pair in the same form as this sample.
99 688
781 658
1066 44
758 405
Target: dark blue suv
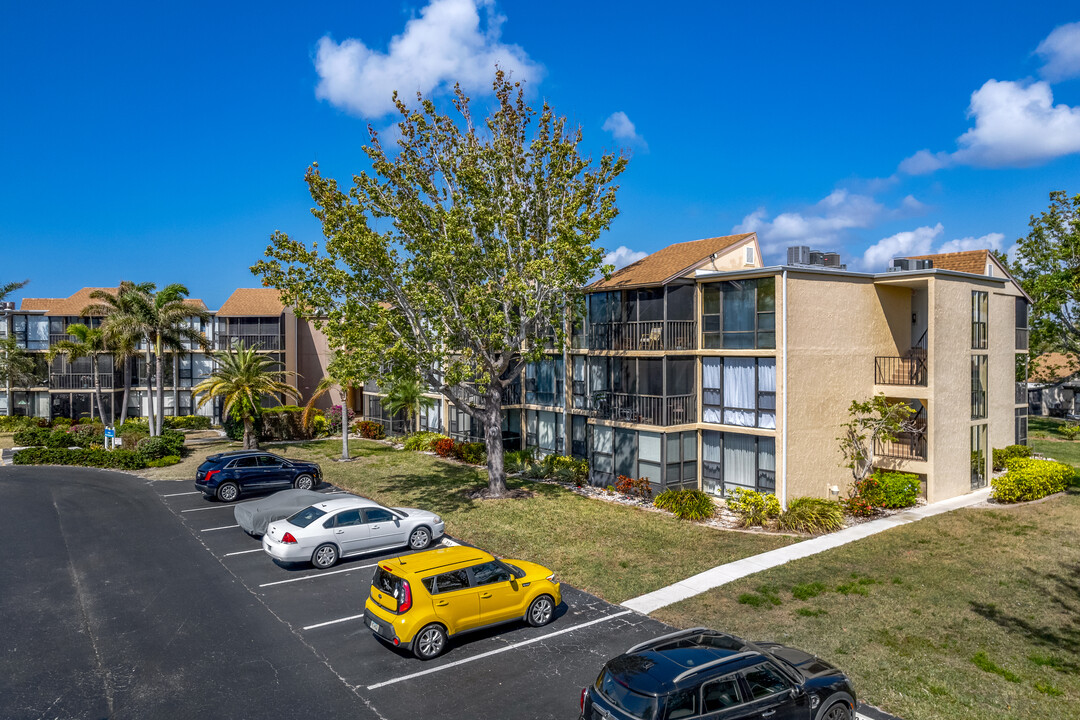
227 475
704 673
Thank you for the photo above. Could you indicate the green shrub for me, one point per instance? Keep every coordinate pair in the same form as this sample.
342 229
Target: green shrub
367 428
422 440
31 436
86 421
61 439
1070 430
234 426
113 459
516 461
131 436
164 462
752 507
320 425
812 515
686 504
11 423
1030 479
473 453
137 424
443 448
188 422
285 408
283 423
59 422
882 489
633 488
170 442
566 469
1002 455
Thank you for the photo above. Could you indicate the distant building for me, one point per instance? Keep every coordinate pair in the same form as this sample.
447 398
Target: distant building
803 256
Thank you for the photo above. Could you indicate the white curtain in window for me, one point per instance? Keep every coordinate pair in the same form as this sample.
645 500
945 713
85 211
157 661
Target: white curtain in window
37 333
739 461
710 457
712 382
766 372
547 431
739 391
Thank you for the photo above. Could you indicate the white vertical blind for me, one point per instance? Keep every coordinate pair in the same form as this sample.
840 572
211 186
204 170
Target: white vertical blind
740 467
739 391
767 383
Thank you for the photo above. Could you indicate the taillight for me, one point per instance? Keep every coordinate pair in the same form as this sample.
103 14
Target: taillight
209 474
288 538
406 601
584 692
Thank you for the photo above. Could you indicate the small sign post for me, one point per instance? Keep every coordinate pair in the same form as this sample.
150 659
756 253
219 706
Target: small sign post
110 438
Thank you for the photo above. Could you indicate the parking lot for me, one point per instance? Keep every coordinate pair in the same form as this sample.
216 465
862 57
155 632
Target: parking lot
316 617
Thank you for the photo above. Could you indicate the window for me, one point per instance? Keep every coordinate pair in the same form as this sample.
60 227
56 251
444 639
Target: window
447 582
602 463
720 694
978 386
681 704
268 461
979 311
246 462
739 391
490 573
740 314
1021 426
731 460
749 254
764 681
374 515
632 703
306 516
978 456
543 429
544 382
681 460
347 518
1021 323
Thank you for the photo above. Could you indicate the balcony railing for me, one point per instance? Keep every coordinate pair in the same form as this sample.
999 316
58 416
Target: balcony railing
1021 338
79 381
645 409
900 370
644 335
554 398
907 446
59 337
511 394
260 342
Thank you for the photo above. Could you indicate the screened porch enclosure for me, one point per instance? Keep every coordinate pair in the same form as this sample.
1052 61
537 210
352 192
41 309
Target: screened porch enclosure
667 460
649 391
660 318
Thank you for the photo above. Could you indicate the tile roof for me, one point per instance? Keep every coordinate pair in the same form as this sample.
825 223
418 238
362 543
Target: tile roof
667 263
260 302
74 305
969 261
1052 367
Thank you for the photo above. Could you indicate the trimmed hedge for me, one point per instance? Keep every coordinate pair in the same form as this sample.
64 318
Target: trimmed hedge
112 459
1003 455
752 507
1030 479
686 504
188 422
812 515
31 435
170 442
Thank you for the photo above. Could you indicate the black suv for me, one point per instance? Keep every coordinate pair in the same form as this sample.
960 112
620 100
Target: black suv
703 673
227 475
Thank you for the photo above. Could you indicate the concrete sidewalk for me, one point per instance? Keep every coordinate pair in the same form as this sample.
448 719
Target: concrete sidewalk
724 574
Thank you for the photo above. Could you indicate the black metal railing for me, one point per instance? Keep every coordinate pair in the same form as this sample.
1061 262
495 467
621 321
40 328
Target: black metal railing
900 370
79 381
260 342
644 335
907 446
644 409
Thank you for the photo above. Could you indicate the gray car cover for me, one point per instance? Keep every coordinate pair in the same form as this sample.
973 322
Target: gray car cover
254 515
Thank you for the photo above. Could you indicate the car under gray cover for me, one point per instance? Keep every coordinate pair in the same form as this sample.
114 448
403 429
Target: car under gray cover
254 515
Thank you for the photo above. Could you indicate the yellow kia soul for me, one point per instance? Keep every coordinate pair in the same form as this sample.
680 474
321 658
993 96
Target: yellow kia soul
419 601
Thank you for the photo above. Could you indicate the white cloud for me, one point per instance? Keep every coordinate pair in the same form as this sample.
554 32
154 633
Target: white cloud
619 125
447 43
910 242
822 224
924 162
622 256
1060 52
990 241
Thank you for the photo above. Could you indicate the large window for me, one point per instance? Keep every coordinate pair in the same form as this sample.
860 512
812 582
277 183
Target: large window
740 314
1021 426
681 460
733 460
544 430
1021 323
739 391
979 312
978 456
978 386
544 382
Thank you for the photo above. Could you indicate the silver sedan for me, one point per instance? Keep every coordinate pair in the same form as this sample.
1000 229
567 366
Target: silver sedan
327 531
255 515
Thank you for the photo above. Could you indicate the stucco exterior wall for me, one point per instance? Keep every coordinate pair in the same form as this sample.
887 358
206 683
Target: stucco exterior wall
734 257
1002 376
312 359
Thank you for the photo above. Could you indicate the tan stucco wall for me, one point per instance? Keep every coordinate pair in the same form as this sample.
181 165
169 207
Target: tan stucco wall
734 257
312 359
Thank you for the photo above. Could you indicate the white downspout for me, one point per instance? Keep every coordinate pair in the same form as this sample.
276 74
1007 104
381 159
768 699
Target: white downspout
783 440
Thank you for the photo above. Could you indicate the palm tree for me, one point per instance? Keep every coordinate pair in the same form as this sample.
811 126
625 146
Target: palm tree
120 311
17 367
243 377
407 395
162 319
325 385
8 288
88 342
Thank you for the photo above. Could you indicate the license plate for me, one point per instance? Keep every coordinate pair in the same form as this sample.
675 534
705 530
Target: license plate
374 625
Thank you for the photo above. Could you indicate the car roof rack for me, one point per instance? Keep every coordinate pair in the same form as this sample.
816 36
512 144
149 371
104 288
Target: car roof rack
669 636
713 663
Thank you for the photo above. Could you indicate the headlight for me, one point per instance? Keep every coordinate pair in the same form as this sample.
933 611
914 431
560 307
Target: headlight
438 520
551 578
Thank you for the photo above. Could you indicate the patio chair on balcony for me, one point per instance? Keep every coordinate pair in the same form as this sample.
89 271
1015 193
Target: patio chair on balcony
651 340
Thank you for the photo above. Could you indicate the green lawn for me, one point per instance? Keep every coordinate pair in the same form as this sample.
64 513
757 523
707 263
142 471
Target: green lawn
972 614
1044 434
614 551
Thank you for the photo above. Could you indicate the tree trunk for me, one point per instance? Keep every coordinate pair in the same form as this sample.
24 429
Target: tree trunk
127 388
150 389
493 441
159 372
176 384
8 396
97 390
250 441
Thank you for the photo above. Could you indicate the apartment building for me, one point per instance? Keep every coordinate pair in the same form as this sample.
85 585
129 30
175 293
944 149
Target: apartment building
250 317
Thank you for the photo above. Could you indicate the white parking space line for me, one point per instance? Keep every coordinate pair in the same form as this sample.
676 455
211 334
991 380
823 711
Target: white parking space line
334 622
223 527
193 492
318 575
489 653
215 507
244 552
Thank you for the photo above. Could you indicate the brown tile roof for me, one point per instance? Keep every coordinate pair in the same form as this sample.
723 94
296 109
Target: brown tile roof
667 263
1052 367
74 305
969 261
261 302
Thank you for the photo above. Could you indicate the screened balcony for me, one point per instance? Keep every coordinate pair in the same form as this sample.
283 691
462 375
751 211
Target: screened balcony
646 391
643 319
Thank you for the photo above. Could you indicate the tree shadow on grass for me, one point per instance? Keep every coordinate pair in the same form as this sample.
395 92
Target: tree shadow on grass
1061 589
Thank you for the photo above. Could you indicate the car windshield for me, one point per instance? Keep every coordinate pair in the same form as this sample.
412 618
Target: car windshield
622 697
306 516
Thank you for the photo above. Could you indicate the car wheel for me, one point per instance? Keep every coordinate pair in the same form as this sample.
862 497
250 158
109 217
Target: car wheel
304 482
839 711
429 642
541 611
324 556
419 538
227 492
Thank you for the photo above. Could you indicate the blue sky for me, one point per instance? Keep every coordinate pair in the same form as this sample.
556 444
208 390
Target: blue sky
167 142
